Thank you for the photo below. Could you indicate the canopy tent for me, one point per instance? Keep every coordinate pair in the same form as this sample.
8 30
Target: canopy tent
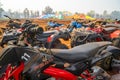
60 15
90 18
80 16
47 16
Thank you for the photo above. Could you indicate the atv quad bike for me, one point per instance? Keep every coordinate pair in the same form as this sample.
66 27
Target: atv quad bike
78 38
11 32
35 37
114 33
11 35
109 32
31 64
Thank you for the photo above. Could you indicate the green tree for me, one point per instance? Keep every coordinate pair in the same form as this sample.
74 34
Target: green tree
37 13
10 12
91 13
16 14
48 10
105 14
26 13
1 10
97 15
32 15
115 14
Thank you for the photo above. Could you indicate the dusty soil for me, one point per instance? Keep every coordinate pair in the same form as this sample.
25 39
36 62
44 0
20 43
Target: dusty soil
41 23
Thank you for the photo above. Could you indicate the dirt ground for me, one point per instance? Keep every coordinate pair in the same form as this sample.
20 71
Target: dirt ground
41 23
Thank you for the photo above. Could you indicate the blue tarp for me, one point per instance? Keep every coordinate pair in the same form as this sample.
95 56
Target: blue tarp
48 16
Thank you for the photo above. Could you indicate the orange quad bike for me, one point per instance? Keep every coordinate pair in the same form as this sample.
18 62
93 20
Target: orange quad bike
109 32
113 32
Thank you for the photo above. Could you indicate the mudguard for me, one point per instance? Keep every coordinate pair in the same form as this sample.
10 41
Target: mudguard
115 34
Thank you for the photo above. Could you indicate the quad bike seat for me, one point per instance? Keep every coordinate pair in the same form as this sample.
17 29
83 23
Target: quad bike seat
110 29
47 34
79 52
112 25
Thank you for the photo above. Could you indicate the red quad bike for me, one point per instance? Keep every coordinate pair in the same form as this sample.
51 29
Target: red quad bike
113 32
110 32
30 64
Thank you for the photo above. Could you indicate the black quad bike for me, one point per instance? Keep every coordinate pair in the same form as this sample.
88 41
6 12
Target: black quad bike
31 64
82 37
32 34
35 37
13 31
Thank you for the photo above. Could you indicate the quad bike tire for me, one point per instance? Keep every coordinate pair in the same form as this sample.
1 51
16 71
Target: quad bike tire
75 42
116 55
106 63
58 45
61 46
116 43
66 37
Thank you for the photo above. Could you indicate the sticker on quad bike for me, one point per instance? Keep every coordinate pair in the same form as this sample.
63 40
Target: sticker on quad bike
25 57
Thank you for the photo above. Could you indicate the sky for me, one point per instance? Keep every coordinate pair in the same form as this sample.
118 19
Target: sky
82 6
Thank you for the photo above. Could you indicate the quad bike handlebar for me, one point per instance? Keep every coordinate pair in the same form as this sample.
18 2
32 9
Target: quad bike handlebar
11 18
7 16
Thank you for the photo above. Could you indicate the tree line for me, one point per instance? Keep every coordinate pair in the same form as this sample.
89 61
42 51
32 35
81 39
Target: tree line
113 15
26 13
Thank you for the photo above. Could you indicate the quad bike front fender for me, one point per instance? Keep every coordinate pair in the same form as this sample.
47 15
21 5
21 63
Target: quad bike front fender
115 34
59 74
